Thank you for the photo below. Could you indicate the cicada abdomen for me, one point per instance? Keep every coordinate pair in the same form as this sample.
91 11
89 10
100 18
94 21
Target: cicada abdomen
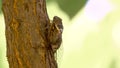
59 55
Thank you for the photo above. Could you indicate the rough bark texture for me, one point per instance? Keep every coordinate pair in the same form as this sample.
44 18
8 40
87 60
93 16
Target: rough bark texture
26 24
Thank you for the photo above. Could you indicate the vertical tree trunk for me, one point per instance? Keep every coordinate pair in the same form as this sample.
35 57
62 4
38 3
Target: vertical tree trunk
26 24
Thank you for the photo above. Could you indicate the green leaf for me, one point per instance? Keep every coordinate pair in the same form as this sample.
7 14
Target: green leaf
71 7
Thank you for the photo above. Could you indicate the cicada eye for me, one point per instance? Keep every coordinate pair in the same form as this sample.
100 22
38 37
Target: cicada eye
60 26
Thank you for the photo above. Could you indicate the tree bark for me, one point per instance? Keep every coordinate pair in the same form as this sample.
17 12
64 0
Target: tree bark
26 23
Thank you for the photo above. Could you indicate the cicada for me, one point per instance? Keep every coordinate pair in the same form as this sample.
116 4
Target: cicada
55 37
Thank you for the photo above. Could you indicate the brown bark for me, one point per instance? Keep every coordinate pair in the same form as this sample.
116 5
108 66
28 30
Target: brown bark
26 24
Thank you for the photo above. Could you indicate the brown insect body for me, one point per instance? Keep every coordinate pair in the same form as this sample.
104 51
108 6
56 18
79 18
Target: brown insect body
55 33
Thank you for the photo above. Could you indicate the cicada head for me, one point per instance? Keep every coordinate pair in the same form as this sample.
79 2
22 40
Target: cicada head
58 23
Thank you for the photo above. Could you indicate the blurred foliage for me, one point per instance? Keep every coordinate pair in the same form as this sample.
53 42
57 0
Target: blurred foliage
49 1
113 64
0 6
70 7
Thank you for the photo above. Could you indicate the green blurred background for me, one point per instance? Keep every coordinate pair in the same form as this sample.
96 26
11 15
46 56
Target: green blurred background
91 37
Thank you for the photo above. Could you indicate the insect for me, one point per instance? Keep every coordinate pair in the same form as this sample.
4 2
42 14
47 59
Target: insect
55 33
54 36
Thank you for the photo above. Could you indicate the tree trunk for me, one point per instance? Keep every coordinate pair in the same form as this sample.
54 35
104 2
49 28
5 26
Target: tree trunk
26 23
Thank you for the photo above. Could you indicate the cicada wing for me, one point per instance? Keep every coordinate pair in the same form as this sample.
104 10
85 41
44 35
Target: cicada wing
59 55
